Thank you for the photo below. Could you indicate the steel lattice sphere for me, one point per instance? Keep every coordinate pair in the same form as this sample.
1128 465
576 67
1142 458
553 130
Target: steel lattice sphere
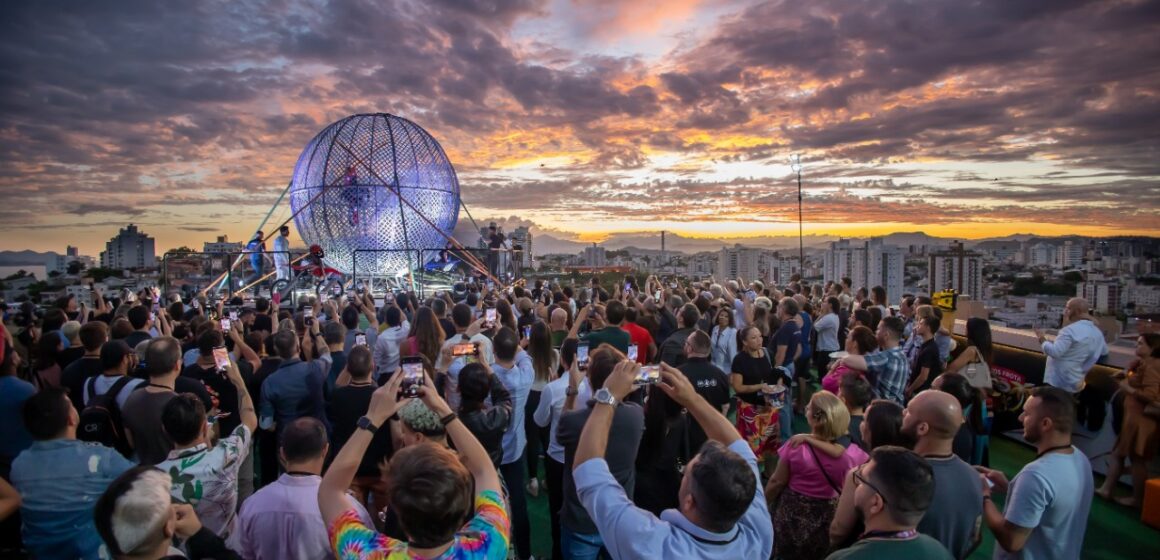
346 188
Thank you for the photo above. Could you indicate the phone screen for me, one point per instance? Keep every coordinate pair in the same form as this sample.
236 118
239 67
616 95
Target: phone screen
233 315
360 339
490 316
528 332
632 355
412 377
648 375
226 325
657 296
221 357
582 356
308 315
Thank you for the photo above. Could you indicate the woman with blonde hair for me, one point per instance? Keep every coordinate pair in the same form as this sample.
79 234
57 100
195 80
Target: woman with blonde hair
804 489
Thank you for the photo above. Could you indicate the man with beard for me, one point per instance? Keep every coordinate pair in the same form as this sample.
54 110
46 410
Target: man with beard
1049 500
933 418
892 492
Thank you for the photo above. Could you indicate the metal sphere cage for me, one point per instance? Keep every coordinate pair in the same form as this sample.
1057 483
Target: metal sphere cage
347 187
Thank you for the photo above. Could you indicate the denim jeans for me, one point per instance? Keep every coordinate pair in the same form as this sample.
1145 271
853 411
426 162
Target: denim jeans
578 546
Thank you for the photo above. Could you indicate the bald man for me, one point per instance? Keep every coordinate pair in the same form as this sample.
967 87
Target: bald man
1077 347
955 515
559 325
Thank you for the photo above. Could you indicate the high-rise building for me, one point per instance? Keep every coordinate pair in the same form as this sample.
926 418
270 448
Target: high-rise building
595 256
867 264
131 248
957 269
1069 255
739 262
1041 254
521 237
1104 296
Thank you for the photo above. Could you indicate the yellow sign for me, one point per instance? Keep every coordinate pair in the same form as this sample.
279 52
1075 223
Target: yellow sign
945 300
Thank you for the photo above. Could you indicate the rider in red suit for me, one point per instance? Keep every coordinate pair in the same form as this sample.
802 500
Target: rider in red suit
313 264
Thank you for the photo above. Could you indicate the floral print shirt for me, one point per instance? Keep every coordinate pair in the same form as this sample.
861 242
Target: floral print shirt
207 478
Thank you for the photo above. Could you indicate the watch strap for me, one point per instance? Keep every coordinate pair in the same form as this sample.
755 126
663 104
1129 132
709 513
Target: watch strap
366 424
448 419
571 392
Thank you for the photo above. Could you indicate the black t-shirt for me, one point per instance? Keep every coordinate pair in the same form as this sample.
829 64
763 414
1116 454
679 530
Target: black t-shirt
712 384
753 371
788 335
70 355
347 405
495 241
219 386
448 328
927 358
75 375
137 337
262 323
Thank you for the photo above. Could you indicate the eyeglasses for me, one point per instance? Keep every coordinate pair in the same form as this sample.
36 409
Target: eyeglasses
859 480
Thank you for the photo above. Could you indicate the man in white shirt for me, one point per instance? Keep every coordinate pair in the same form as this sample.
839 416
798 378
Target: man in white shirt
1077 347
387 344
282 253
466 330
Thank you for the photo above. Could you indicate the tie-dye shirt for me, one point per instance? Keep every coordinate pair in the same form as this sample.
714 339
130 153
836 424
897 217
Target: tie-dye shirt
485 536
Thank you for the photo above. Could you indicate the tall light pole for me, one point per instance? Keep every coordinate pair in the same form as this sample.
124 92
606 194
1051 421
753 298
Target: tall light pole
795 163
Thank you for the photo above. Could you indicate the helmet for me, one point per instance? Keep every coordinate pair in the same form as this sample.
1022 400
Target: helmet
316 250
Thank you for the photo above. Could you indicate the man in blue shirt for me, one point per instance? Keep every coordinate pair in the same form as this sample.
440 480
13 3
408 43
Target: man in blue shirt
13 392
722 511
513 367
59 479
257 252
887 370
295 389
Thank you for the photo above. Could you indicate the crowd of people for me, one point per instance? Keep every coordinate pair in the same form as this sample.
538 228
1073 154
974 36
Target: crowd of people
658 417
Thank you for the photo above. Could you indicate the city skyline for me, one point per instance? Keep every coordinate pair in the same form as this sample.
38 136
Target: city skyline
592 118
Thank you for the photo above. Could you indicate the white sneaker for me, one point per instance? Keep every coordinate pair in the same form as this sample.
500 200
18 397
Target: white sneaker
534 487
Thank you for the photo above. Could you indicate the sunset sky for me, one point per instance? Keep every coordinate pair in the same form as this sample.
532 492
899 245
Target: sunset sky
590 117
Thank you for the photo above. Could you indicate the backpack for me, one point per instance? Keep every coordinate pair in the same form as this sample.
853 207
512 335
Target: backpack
100 421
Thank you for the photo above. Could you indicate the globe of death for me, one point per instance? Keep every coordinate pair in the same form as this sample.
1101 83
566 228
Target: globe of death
377 193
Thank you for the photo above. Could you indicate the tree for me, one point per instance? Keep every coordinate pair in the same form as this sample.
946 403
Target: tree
54 274
19 274
1073 276
75 267
179 250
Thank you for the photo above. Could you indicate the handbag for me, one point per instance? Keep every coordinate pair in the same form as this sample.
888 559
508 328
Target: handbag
978 374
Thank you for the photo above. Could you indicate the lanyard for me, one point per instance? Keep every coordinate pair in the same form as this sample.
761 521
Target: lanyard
907 534
1053 449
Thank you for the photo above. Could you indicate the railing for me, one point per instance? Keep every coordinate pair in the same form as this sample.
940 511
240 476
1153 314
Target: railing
216 268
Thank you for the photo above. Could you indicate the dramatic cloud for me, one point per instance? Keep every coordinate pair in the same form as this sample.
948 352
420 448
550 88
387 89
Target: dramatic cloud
592 116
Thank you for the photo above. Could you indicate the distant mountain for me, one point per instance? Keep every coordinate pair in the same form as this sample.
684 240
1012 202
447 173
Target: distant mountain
26 257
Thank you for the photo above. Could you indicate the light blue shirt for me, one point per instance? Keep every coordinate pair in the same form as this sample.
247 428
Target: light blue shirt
548 414
1074 351
630 532
1052 496
60 481
827 329
518 381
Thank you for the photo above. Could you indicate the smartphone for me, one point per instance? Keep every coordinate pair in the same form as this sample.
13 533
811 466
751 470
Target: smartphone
221 357
632 352
489 316
412 376
360 339
657 296
467 350
226 325
233 314
673 285
649 375
627 287
582 356
308 314
528 332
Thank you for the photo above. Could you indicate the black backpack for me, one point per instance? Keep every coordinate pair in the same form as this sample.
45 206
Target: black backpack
100 421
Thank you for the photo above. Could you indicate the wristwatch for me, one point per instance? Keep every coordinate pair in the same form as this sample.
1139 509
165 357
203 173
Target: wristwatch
571 392
366 424
604 396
